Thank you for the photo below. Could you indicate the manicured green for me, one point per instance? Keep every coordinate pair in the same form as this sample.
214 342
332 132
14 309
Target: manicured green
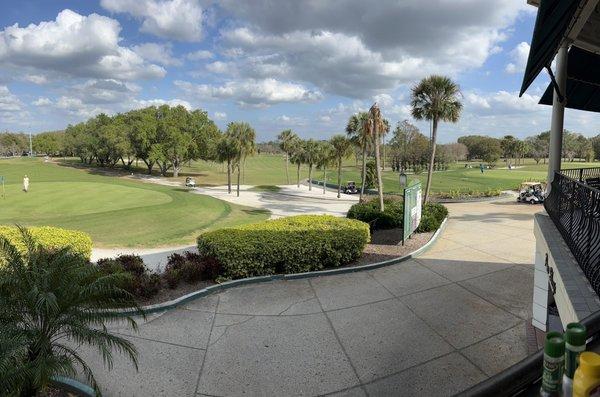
287 245
50 238
115 212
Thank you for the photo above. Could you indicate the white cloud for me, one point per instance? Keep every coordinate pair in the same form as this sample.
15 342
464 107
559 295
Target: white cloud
519 57
159 53
220 116
173 19
251 92
35 78
12 109
73 45
199 55
42 101
142 103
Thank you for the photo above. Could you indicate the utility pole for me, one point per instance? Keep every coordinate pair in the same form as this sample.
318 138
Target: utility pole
30 145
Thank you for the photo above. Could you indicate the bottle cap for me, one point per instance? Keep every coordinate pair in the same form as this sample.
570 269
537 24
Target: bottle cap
589 362
575 334
555 344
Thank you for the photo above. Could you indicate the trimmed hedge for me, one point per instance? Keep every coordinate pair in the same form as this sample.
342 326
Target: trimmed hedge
368 211
432 217
287 245
51 237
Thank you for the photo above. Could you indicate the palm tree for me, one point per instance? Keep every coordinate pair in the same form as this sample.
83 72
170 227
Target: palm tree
311 156
376 126
51 301
244 136
298 157
286 140
342 148
435 98
359 135
324 160
227 152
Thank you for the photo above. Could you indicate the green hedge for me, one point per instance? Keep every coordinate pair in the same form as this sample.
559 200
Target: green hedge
286 245
368 211
432 217
51 237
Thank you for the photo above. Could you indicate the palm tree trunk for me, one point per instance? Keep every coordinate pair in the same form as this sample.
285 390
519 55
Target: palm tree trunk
378 166
430 170
238 180
339 177
310 177
324 178
229 176
298 174
287 172
363 173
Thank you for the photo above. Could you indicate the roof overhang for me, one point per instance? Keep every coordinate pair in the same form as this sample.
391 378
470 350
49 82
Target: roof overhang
559 22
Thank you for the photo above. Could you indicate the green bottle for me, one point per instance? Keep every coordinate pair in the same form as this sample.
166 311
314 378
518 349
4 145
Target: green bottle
554 364
575 337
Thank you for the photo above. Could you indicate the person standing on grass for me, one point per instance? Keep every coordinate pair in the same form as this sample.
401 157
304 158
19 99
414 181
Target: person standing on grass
25 183
481 168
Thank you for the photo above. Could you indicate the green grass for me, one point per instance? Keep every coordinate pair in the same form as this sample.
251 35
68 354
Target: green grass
270 170
116 212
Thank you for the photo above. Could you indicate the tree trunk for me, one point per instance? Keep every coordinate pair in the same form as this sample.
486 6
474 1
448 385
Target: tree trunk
149 165
378 166
363 173
339 177
287 172
310 177
430 170
324 179
229 176
298 174
238 181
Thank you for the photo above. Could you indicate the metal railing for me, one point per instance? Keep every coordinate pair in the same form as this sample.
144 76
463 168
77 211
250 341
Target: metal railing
574 207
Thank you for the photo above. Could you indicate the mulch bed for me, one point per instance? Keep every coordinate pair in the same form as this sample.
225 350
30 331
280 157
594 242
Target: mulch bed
385 245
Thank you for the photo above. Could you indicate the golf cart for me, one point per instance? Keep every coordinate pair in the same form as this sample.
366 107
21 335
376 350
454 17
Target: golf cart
350 188
531 193
190 182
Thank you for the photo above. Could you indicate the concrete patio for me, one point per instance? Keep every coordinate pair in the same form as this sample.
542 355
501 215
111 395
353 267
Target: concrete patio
430 326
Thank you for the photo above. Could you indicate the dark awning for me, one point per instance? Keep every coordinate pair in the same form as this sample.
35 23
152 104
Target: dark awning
553 19
583 81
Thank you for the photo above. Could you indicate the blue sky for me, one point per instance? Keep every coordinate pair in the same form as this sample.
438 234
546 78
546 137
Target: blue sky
304 65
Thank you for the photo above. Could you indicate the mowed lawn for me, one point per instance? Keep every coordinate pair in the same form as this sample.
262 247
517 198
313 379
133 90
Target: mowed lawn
270 170
116 212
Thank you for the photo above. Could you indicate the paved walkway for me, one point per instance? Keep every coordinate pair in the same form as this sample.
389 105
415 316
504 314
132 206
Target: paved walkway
430 326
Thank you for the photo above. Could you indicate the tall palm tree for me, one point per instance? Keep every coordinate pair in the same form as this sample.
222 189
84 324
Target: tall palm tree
286 141
52 300
376 126
298 157
342 148
227 152
244 136
311 156
358 132
324 159
435 98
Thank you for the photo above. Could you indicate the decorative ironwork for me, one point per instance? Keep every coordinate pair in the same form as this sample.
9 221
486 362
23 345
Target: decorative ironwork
574 207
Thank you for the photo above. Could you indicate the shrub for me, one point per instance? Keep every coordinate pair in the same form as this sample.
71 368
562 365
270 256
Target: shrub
432 217
190 267
368 212
147 285
138 281
133 264
51 238
286 245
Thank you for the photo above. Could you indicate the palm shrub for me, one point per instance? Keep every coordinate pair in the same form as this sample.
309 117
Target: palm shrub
53 300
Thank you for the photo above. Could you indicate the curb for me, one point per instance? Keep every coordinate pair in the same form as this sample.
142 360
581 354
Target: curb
84 390
160 307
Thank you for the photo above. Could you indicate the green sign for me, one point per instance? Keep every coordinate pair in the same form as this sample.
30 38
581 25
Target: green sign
412 210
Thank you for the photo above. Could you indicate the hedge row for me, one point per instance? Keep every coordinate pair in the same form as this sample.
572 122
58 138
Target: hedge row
286 245
51 237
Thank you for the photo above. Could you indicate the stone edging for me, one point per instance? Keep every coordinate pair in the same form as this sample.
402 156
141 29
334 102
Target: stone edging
84 390
160 307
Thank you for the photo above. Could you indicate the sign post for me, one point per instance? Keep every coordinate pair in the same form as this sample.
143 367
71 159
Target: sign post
412 210
2 180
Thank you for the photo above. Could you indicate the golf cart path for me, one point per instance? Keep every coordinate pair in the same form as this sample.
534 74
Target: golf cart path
433 325
287 201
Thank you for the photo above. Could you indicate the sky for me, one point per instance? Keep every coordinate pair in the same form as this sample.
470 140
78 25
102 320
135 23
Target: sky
277 64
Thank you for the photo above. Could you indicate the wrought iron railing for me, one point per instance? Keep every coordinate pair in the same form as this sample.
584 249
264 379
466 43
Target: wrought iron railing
574 207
